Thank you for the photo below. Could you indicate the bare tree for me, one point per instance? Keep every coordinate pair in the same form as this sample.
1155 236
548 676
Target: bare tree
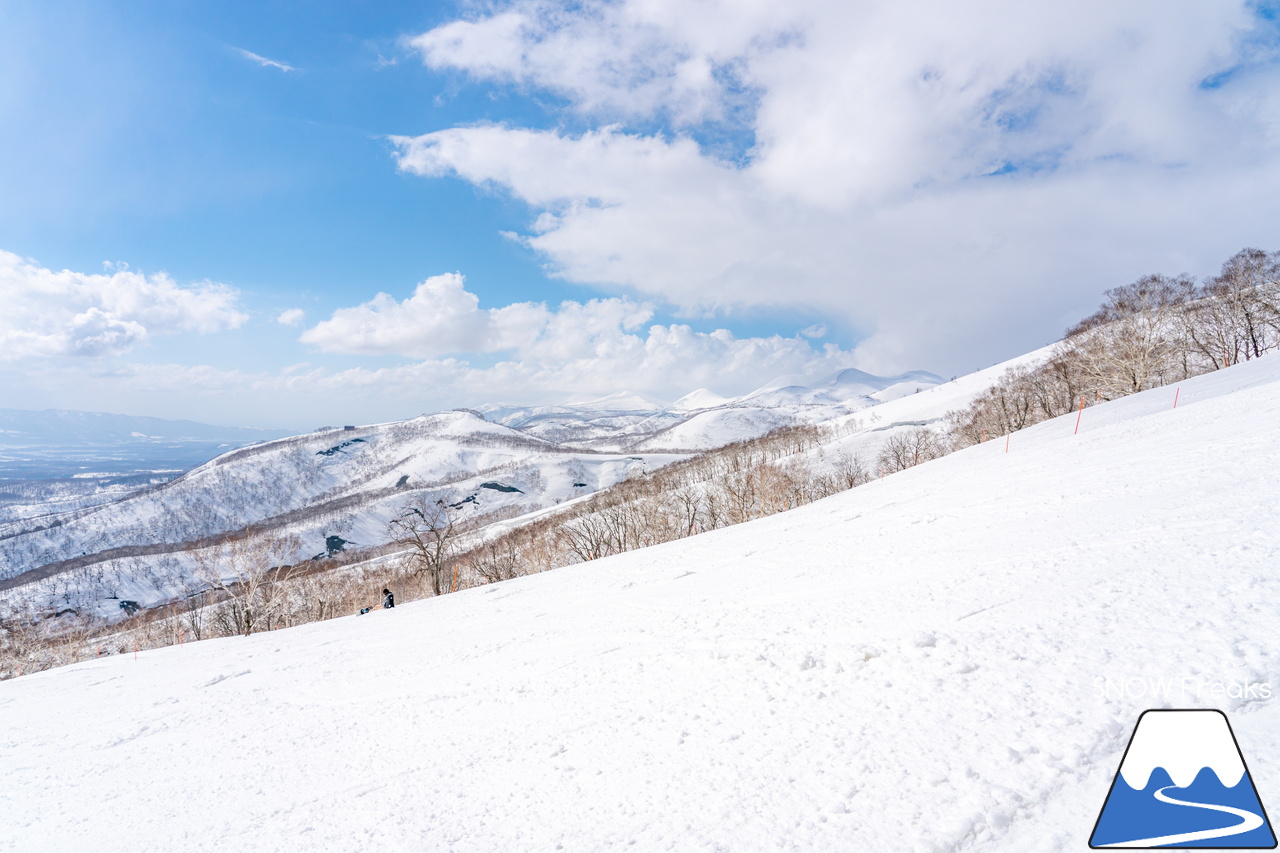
497 560
1242 310
429 530
1132 342
907 449
850 472
251 573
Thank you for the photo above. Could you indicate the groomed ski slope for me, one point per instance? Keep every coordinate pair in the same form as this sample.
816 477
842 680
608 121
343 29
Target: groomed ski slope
916 665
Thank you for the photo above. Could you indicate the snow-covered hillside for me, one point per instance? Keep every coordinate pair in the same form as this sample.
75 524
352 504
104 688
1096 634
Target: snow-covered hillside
952 658
346 483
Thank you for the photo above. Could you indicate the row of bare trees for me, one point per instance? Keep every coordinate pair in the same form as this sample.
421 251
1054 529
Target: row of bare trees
1150 333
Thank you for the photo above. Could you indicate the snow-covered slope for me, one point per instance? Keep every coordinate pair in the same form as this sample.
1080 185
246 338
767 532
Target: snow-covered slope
613 422
949 659
346 483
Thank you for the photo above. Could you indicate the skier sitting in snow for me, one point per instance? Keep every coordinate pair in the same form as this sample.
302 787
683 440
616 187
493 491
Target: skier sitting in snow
388 600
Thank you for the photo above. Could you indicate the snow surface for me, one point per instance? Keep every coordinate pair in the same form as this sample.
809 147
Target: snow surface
951 658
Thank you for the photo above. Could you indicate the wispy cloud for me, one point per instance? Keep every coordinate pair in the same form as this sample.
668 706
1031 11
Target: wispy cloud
291 317
263 61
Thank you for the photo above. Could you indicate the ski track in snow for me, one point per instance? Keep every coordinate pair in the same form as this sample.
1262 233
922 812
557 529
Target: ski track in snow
909 666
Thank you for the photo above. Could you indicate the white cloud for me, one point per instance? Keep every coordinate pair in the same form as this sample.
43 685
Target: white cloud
956 181
440 317
263 61
291 317
598 346
49 314
629 58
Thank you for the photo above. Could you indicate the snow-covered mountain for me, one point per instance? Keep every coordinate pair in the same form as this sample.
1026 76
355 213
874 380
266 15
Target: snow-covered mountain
613 422
703 419
950 659
345 485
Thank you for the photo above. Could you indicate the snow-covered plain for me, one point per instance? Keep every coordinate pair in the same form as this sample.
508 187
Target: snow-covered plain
951 658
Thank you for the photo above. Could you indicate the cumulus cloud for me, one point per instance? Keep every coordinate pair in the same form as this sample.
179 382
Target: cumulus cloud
51 314
601 345
291 317
440 317
935 174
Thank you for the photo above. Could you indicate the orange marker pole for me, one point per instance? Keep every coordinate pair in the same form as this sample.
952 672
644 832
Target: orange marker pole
1006 442
1079 415
454 588
984 436
135 650
1175 397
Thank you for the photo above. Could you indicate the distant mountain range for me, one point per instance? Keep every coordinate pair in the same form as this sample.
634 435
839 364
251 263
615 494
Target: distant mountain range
703 418
60 427
108 537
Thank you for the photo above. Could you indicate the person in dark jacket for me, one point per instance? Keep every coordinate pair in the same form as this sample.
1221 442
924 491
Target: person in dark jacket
388 600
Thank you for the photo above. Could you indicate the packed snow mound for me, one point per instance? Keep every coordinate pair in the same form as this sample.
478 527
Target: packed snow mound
951 658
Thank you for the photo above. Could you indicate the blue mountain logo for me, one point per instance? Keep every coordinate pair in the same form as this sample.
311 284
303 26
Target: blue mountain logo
1183 783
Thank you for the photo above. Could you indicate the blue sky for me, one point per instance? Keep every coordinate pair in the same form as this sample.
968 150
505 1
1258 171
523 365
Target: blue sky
645 196
155 141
